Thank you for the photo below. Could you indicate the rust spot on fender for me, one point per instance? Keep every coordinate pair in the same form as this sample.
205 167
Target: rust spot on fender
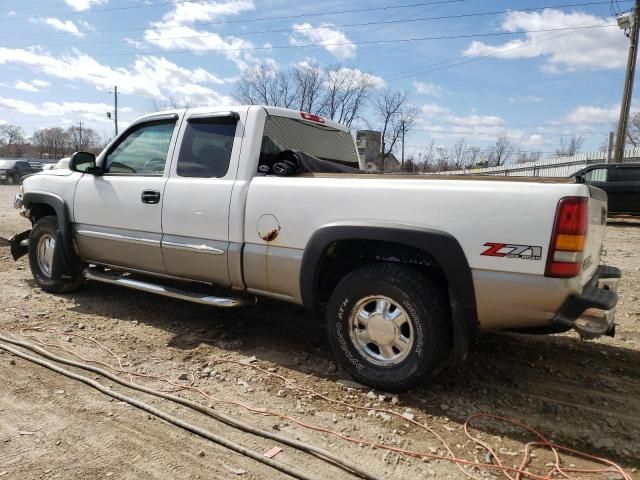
271 235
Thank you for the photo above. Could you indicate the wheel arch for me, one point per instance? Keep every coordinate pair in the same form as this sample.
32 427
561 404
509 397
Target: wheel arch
65 260
439 245
32 200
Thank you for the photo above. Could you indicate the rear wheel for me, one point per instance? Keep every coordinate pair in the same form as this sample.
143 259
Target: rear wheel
389 326
10 180
42 247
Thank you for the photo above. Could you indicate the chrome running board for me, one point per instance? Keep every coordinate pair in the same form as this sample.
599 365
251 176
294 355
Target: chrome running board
144 286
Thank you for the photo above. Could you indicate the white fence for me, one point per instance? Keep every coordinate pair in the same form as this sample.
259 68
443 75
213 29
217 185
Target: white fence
553 167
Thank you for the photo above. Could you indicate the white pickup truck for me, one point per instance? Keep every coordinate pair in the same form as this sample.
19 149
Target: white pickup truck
270 202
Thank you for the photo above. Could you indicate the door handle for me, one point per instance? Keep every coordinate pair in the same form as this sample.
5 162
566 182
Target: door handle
150 196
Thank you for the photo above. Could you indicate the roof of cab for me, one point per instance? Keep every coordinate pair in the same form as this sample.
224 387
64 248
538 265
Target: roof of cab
277 111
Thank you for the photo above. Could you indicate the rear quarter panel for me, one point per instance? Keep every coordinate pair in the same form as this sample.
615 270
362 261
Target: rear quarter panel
510 292
474 212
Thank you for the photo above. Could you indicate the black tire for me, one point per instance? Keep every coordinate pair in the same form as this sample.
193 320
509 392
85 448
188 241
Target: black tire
10 180
47 227
426 308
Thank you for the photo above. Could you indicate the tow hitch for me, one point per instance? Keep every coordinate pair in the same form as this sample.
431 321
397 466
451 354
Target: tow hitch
19 244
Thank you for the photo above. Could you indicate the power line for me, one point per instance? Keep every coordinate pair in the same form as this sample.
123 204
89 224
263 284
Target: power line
257 19
368 42
344 25
434 67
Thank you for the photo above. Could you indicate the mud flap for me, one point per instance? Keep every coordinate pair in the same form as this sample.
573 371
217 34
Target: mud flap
19 244
62 267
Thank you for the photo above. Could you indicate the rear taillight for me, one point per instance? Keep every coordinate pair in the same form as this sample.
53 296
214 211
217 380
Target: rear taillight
569 238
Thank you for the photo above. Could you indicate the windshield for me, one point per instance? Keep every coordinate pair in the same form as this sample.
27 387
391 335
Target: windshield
7 163
320 141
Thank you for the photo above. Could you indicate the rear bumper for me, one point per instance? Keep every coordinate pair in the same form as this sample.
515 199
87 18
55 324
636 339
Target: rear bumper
592 312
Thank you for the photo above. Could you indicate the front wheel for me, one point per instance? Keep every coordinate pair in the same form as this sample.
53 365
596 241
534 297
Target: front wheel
10 180
42 246
389 326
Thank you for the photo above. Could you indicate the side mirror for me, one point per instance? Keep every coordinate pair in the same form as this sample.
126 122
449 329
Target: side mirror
83 162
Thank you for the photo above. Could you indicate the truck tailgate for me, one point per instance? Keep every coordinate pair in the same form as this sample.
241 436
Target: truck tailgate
595 233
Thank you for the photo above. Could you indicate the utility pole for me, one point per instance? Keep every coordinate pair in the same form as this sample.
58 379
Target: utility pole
610 147
115 112
402 164
628 22
80 135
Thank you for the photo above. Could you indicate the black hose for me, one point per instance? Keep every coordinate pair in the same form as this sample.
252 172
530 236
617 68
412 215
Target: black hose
165 416
309 448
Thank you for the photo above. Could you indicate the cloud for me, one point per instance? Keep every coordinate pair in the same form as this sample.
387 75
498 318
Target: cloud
149 75
439 121
428 89
40 83
431 109
593 114
190 12
90 111
235 49
174 32
62 26
525 99
81 5
586 49
305 33
33 86
27 87
356 75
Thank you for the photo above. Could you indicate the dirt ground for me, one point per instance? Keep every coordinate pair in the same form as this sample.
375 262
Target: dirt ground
585 395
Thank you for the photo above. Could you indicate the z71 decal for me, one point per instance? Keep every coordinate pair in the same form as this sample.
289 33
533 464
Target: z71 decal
509 250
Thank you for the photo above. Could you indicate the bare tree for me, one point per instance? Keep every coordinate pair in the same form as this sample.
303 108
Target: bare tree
442 160
308 80
426 158
82 139
500 152
523 156
263 85
346 93
20 146
396 116
51 142
571 146
458 154
633 131
10 135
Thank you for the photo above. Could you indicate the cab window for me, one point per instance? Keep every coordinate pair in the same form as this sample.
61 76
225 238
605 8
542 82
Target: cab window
206 147
597 175
143 151
628 174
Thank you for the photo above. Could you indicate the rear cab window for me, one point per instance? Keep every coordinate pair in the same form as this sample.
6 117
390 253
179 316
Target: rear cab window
206 147
627 174
312 139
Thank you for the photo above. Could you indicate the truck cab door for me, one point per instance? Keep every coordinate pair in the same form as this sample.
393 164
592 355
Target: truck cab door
195 212
118 215
627 186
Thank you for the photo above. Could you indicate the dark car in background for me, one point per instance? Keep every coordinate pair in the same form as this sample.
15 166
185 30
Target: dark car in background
621 181
13 171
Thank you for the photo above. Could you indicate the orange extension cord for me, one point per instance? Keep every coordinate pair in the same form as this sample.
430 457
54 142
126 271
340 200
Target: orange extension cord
512 473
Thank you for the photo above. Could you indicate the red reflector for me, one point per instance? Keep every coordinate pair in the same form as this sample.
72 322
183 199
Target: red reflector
563 270
572 220
311 117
